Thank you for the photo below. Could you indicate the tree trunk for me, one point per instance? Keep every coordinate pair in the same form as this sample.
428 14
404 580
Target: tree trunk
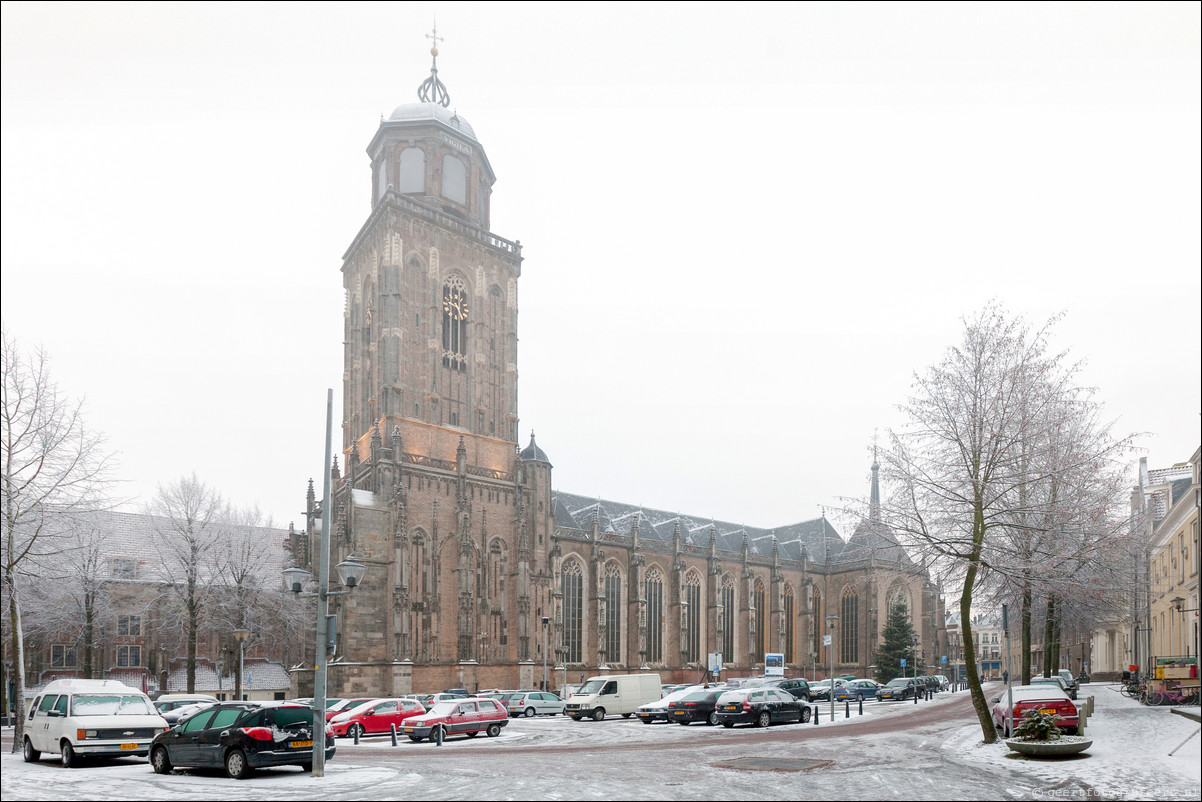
18 658
89 634
970 657
1047 636
1026 632
193 628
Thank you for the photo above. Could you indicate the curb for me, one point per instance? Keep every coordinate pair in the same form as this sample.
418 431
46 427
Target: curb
1192 716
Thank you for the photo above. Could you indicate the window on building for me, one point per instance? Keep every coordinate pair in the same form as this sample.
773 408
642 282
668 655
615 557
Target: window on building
129 656
62 656
789 656
760 598
413 170
573 612
123 569
727 647
613 614
849 625
454 179
692 595
655 615
130 625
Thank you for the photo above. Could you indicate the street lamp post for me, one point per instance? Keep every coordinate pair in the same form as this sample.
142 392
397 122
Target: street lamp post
831 620
350 573
240 635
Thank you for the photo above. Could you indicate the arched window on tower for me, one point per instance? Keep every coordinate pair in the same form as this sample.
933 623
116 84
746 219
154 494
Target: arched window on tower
454 323
728 620
413 170
454 179
849 625
613 614
573 612
654 593
817 622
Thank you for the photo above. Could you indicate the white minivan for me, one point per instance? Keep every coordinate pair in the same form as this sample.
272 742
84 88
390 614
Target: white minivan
614 694
90 717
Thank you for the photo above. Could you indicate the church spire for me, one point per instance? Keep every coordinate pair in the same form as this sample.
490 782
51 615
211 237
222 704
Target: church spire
432 90
874 495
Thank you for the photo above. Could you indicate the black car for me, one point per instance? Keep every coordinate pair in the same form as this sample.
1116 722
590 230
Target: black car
242 737
901 688
696 706
760 706
799 688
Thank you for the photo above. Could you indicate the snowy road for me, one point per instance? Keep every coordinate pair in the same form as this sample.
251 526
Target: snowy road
897 750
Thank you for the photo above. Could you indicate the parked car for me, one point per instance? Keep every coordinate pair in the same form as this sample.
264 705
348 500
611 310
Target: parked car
343 705
857 690
533 703
695 706
931 683
1070 681
435 698
1046 697
614 694
798 687
658 710
375 717
821 690
184 712
90 718
901 688
1058 681
944 682
242 737
760 706
171 701
468 717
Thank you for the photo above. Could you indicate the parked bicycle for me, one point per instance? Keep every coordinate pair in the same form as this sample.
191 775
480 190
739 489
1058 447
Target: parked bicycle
1134 689
1177 695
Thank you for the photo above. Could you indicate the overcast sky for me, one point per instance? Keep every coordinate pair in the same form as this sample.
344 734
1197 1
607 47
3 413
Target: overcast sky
745 226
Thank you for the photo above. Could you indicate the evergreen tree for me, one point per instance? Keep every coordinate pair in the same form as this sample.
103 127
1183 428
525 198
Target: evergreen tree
898 644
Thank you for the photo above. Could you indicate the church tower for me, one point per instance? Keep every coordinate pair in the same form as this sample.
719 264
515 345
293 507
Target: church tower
431 293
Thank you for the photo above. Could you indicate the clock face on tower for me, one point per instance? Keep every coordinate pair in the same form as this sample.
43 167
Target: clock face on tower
455 306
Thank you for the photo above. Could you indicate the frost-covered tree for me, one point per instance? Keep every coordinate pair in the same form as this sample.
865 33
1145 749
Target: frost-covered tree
54 469
999 469
897 643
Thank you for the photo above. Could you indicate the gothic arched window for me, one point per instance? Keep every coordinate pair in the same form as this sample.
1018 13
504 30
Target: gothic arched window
454 179
789 656
613 614
692 597
413 170
454 323
761 638
849 625
728 620
573 612
654 593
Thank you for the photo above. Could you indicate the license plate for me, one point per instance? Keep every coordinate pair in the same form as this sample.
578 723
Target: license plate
1048 711
408 729
129 746
300 744
731 707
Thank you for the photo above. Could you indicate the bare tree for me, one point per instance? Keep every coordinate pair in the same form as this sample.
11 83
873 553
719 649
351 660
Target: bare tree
997 442
55 468
191 520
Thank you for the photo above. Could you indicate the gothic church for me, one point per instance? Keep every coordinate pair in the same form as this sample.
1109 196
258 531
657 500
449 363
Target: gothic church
480 574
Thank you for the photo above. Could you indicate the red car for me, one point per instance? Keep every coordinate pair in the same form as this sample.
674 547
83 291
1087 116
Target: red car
375 717
468 717
343 705
1048 698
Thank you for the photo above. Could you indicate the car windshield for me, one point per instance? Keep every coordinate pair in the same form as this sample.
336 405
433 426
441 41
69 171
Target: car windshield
898 683
113 705
592 686
442 708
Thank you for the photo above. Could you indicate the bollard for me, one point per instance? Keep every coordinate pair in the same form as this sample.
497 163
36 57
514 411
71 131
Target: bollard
915 696
392 728
816 722
861 707
438 735
846 709
355 732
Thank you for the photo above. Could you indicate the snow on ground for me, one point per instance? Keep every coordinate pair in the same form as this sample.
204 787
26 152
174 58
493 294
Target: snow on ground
625 759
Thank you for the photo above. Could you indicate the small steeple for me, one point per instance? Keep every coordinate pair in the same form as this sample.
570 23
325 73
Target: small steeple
874 494
432 90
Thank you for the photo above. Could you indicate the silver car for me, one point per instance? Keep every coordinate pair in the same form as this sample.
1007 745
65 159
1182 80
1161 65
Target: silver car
534 703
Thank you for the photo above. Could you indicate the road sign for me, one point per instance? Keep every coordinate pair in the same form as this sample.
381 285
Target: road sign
826 640
903 665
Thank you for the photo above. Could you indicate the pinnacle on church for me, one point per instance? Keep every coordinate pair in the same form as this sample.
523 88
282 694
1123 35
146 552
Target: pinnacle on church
432 90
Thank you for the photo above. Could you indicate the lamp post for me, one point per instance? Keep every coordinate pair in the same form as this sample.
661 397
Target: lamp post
546 625
350 573
831 620
914 654
240 635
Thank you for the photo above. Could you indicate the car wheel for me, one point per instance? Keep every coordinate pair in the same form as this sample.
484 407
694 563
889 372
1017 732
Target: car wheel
70 760
30 754
805 715
599 714
529 712
493 730
355 731
764 720
236 765
712 720
859 697
160 761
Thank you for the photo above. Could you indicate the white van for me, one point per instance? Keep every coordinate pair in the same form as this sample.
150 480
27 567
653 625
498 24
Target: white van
613 694
90 717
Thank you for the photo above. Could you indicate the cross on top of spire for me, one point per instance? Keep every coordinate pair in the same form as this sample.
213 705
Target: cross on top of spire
432 90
